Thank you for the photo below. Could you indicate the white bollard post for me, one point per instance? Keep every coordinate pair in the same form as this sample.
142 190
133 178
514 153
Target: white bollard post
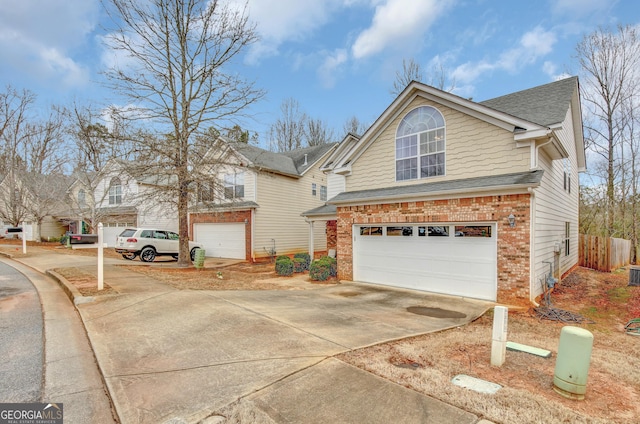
100 257
499 339
24 238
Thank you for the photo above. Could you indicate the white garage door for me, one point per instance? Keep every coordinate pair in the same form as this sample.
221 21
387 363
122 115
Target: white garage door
455 259
221 240
111 231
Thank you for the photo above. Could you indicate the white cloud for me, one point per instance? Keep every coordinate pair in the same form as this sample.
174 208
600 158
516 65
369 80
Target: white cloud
286 20
397 22
39 38
532 46
330 68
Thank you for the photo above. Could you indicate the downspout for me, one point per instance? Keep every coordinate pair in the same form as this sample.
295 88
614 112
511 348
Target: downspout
537 150
532 254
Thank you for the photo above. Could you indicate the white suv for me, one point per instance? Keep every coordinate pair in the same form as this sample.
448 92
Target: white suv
149 243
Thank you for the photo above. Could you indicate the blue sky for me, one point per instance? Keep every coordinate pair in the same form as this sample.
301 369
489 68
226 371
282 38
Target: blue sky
337 58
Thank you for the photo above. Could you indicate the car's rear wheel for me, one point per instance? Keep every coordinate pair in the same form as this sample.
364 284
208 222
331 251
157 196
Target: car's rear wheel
148 254
193 254
129 255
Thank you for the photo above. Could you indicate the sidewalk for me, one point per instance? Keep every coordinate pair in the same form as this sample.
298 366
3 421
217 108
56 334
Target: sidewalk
170 355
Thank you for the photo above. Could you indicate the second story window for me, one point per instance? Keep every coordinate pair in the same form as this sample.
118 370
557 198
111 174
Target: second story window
323 192
234 186
115 191
420 144
313 189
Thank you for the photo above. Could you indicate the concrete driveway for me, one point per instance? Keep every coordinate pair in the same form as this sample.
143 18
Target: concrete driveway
181 356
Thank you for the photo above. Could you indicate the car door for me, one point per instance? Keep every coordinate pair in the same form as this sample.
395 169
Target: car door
161 241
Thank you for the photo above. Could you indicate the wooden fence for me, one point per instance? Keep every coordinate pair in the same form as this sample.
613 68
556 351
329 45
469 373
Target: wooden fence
604 253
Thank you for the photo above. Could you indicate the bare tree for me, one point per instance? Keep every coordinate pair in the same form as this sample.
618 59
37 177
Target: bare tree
610 65
288 131
354 126
317 132
176 78
412 71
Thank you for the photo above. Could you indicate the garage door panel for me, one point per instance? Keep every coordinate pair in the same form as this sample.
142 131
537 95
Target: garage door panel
463 266
221 240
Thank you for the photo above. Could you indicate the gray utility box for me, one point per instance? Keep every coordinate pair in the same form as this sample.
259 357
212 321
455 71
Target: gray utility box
634 276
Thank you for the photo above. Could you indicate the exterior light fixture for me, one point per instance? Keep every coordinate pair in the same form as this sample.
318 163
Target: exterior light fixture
512 220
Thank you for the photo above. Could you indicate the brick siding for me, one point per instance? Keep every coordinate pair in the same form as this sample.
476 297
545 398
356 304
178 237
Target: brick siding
222 217
513 243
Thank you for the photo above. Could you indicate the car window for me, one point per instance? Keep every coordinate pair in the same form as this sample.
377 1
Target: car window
127 233
173 236
160 235
147 234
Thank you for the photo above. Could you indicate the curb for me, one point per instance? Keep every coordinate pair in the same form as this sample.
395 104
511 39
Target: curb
70 290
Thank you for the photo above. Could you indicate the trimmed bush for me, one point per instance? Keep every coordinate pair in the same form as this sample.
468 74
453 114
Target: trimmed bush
299 265
333 265
284 257
306 257
284 266
324 268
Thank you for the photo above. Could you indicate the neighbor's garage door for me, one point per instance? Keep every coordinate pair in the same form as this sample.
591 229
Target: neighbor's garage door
455 259
111 231
221 240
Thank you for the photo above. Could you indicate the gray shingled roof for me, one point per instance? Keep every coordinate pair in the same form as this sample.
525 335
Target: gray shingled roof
288 163
321 211
230 205
543 105
521 179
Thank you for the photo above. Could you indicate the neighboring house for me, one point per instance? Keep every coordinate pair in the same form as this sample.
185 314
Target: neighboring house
453 196
36 202
253 211
118 200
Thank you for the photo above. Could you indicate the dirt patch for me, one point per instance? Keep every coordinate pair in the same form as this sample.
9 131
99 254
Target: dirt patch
243 276
85 282
428 363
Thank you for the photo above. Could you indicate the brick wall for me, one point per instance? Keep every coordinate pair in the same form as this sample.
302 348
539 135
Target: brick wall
513 243
332 235
221 217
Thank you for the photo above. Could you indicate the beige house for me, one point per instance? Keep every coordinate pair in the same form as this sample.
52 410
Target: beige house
474 199
35 202
250 208
119 200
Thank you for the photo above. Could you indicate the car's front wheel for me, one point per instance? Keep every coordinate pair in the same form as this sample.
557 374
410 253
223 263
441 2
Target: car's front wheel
148 254
129 255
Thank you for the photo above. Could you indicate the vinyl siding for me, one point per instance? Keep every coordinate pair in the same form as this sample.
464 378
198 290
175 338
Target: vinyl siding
282 200
336 184
554 207
50 227
474 148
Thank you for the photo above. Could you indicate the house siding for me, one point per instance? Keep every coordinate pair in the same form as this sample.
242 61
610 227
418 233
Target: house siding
282 200
336 184
51 227
554 207
474 148
513 244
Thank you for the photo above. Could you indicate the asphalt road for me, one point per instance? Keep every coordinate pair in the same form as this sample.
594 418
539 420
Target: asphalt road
21 338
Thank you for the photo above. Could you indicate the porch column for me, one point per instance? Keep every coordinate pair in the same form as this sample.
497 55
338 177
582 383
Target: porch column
311 241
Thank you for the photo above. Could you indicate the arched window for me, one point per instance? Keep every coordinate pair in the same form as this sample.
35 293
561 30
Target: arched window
420 144
115 191
82 199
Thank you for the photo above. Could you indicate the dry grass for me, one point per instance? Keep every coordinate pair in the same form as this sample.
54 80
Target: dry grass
613 388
